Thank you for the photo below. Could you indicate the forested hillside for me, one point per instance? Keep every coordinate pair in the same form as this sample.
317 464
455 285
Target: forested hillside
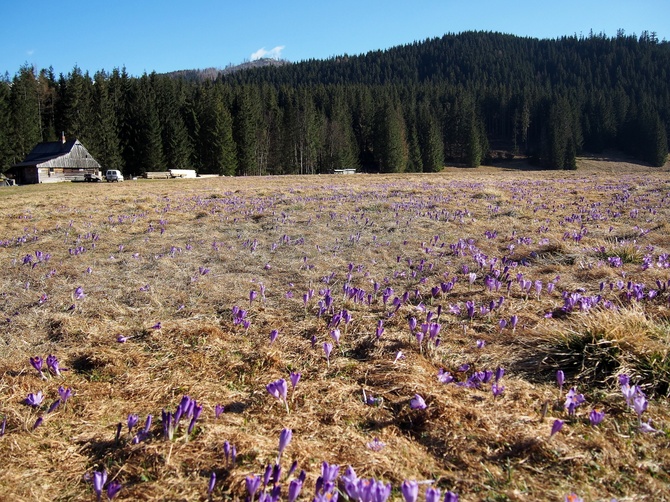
467 98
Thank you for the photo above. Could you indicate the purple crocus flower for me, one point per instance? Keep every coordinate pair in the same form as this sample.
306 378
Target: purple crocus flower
497 389
52 364
417 403
79 293
410 490
412 324
147 424
266 476
38 364
252 483
573 400
279 390
226 451
273 335
218 410
513 321
444 376
53 406
38 422
376 445
64 393
329 472
640 404
595 417
212 483
294 377
34 400
629 392
252 296
285 437
556 426
328 348
380 329
113 488
335 335
560 379
419 337
197 410
499 373
646 427
294 488
132 421
99 479
433 494
450 497
292 469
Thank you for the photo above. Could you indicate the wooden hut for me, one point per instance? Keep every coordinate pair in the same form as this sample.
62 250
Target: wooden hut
55 161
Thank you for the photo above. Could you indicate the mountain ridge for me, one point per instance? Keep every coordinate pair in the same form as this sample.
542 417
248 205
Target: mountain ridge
212 73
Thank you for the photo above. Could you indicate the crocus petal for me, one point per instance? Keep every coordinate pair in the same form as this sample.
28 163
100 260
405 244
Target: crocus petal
284 439
556 426
417 403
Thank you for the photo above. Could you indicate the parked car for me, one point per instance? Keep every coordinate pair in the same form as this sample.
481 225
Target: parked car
113 175
90 177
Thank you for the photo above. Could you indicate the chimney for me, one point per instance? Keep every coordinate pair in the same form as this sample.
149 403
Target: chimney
62 137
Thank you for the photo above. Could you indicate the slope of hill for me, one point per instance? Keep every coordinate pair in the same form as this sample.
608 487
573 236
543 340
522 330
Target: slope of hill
212 73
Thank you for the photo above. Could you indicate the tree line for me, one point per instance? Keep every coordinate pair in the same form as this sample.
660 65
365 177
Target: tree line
463 98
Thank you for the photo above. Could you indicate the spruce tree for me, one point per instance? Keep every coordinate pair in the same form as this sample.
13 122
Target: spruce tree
226 148
473 146
25 113
5 126
245 121
391 150
430 140
104 144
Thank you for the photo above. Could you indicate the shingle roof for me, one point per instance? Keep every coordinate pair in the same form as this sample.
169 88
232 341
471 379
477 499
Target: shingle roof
70 154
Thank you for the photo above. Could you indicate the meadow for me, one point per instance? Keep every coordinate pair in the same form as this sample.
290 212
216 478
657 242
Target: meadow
476 334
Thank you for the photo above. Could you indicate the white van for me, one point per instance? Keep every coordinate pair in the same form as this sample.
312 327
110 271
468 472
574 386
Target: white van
113 175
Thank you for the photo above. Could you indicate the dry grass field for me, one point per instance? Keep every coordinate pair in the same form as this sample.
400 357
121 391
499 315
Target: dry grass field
148 291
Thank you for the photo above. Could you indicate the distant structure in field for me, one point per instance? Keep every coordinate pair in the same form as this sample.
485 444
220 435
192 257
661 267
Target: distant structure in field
55 161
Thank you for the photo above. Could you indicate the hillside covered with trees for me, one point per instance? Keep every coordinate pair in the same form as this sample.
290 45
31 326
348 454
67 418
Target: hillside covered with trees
457 99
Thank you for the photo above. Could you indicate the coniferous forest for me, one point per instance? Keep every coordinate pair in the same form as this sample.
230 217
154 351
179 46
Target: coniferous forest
467 99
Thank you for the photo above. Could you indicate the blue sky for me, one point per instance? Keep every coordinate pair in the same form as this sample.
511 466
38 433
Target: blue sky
166 35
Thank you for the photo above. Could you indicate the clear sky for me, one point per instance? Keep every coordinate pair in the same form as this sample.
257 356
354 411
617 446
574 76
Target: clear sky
166 35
